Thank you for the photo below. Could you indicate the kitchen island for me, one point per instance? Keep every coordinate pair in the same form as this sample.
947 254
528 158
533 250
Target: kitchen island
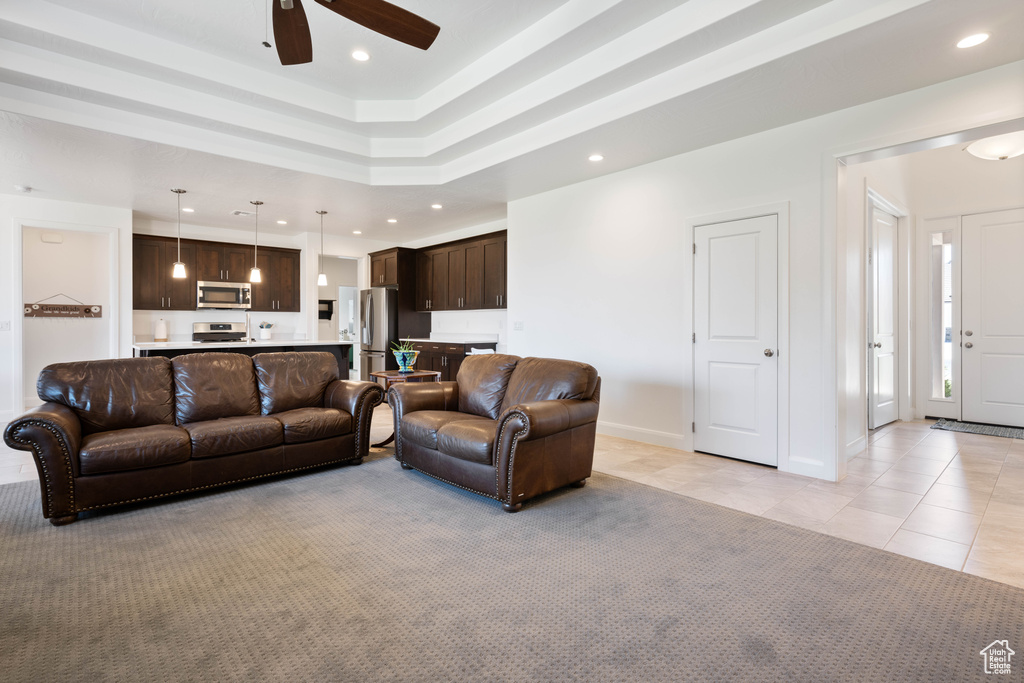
342 350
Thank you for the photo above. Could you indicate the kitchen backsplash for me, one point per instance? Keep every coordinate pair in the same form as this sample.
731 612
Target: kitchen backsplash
179 323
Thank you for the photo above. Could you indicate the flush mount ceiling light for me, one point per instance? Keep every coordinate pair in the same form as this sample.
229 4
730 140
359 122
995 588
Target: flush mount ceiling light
971 41
178 270
254 274
595 157
999 147
321 279
360 56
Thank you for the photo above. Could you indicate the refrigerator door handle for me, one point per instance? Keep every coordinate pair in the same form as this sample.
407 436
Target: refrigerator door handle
369 302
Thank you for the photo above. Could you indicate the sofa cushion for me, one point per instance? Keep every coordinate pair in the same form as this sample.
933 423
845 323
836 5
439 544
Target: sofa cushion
421 427
311 424
471 440
133 449
482 382
543 379
234 435
293 380
208 386
112 394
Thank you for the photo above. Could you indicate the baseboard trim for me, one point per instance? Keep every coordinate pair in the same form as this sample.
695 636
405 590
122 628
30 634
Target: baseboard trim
856 447
651 436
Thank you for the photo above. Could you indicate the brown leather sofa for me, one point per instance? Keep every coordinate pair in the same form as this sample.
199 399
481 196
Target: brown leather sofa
133 429
508 428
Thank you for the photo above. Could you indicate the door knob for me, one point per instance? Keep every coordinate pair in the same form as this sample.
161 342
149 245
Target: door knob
878 345
968 333
769 353
969 345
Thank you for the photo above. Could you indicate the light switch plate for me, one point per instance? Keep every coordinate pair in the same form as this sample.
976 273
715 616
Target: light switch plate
518 326
5 325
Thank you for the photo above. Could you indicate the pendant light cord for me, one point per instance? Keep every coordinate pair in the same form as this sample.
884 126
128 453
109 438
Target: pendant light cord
179 226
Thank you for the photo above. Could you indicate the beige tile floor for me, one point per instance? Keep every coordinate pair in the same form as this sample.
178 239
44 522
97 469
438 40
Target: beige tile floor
952 499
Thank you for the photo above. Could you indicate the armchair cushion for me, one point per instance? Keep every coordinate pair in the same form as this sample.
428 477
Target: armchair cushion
134 449
208 386
544 379
482 382
312 424
234 435
422 427
471 440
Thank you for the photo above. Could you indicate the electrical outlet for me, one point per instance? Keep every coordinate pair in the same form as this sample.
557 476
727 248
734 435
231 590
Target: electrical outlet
5 325
518 326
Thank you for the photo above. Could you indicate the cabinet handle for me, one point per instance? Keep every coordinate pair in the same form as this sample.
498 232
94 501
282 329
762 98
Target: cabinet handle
228 274
168 302
222 274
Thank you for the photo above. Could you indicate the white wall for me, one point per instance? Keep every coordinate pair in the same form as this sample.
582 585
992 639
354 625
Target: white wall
18 211
601 271
74 270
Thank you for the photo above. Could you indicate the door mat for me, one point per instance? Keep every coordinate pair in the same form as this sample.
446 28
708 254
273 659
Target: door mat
976 428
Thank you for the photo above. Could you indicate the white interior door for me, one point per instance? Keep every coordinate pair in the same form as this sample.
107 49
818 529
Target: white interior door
992 339
735 341
883 338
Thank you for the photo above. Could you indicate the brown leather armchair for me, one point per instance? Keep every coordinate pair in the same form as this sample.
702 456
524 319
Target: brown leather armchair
134 429
508 428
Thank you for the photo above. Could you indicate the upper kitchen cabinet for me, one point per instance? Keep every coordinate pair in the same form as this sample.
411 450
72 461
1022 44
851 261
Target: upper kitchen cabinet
279 289
153 288
464 275
495 256
219 262
384 271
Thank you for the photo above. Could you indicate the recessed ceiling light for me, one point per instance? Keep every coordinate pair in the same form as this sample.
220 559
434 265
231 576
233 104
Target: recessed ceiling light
392 220
360 56
596 157
357 232
282 222
436 206
186 210
971 41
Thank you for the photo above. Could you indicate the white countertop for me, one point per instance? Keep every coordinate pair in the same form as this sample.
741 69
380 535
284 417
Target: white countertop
222 345
452 341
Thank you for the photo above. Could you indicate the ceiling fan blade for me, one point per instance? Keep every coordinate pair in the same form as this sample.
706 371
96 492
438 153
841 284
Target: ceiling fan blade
291 33
386 19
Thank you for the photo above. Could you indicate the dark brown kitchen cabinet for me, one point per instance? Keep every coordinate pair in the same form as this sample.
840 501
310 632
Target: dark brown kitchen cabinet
218 262
464 275
153 288
384 269
444 358
279 289
432 280
495 256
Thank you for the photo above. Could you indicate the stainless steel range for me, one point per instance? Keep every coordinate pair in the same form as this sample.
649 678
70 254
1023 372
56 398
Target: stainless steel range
218 332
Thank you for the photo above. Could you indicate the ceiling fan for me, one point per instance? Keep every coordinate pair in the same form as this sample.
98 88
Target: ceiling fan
291 30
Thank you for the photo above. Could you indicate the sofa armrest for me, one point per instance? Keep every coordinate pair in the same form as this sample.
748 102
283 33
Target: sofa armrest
358 399
409 397
53 433
543 418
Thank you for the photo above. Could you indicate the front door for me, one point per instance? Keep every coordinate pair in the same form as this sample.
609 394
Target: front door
735 342
882 336
992 337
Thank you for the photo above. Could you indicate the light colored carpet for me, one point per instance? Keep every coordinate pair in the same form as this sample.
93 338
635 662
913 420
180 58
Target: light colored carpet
372 573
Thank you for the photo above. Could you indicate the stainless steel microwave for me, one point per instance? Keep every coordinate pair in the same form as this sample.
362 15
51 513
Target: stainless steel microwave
224 295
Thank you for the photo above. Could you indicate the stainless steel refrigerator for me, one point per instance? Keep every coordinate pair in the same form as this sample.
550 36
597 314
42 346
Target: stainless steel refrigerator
378 328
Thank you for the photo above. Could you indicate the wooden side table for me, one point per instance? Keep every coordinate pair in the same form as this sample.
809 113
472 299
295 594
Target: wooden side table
397 377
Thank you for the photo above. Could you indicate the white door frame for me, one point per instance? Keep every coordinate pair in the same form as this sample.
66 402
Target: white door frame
781 210
877 199
18 325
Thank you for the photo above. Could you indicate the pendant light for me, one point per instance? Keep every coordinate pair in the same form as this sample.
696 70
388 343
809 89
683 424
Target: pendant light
254 274
321 279
178 271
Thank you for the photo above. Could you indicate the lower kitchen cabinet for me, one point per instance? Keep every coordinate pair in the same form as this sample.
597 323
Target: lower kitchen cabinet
445 358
